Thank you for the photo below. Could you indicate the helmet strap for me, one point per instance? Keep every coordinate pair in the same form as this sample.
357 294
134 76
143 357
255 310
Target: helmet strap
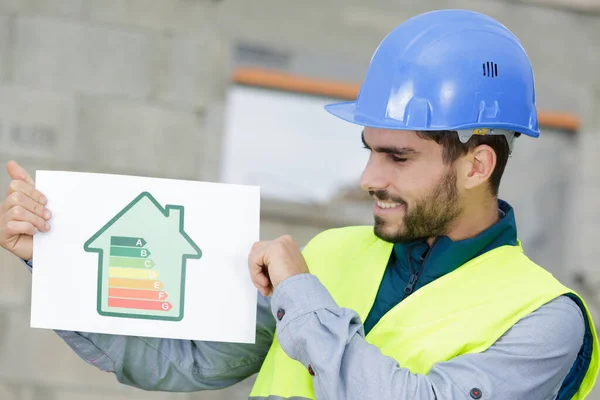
465 134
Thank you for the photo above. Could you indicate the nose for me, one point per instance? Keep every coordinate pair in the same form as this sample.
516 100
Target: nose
373 177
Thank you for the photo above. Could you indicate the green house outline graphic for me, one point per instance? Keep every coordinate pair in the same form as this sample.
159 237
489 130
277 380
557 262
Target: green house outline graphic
165 212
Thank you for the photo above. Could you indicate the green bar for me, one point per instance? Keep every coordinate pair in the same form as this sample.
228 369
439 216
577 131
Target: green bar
129 252
131 262
127 241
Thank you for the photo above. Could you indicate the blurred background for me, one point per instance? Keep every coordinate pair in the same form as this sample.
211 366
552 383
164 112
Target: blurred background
233 91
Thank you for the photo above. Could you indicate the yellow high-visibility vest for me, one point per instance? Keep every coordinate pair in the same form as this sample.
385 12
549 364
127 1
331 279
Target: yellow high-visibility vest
464 311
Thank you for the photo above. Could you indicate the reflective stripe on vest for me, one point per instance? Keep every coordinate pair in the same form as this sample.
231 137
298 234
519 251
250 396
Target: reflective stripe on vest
491 292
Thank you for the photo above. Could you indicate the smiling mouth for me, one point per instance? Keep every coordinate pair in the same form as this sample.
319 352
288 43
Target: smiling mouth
384 204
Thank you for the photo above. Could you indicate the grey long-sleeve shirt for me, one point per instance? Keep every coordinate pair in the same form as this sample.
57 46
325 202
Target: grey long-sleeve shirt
530 361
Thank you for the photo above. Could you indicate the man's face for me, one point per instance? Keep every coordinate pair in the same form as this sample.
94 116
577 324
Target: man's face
416 194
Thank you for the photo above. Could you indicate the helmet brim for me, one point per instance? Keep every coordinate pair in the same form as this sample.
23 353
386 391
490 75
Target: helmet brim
347 112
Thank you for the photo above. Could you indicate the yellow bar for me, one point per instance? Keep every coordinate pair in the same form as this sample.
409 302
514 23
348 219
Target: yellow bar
132 273
134 283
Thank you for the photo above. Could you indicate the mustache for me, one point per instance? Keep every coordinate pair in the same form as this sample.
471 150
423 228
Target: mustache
383 195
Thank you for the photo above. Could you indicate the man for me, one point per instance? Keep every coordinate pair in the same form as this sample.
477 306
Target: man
437 301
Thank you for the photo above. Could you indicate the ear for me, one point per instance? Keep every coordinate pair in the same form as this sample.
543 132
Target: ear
478 166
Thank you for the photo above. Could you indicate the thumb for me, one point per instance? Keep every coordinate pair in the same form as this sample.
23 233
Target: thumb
17 172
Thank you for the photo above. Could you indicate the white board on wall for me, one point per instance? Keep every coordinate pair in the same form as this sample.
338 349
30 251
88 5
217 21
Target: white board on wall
287 144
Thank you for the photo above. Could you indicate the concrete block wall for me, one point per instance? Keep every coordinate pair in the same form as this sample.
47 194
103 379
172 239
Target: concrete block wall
119 87
84 83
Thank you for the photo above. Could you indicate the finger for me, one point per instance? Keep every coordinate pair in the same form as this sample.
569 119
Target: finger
20 228
258 245
269 288
20 199
19 173
18 213
258 272
27 189
264 290
260 277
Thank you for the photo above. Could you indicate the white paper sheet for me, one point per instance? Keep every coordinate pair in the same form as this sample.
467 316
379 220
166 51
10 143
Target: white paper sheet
146 257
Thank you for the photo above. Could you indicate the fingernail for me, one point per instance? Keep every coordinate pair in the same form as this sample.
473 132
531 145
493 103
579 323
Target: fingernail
47 226
43 200
47 214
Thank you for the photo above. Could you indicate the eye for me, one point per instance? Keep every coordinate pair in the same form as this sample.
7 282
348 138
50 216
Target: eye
398 159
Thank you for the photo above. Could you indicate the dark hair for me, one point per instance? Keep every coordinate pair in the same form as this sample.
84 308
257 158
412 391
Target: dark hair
454 148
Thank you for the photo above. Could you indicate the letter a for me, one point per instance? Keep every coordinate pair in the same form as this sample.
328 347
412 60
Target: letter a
139 243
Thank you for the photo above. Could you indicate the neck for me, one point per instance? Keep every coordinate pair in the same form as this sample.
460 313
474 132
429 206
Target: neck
479 217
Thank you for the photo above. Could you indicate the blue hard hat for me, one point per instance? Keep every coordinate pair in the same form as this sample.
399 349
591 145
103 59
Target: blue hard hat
447 70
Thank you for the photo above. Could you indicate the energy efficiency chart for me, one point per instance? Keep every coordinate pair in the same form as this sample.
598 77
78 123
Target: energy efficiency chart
142 256
132 276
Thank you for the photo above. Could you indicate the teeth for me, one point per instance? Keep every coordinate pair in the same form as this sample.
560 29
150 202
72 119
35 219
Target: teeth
387 205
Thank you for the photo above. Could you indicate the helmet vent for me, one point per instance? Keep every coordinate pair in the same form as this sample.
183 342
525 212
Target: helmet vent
490 69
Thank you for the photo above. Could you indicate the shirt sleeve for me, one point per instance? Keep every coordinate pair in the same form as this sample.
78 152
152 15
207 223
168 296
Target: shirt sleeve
530 361
175 365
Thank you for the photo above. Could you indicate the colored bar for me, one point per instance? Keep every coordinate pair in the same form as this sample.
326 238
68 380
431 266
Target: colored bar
137 294
127 241
140 304
129 252
135 283
131 262
134 273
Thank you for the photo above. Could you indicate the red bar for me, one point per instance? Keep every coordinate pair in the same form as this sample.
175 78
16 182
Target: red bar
140 304
137 294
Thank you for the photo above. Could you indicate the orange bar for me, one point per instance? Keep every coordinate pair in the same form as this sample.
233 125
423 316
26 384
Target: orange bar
137 294
277 80
292 83
559 120
135 283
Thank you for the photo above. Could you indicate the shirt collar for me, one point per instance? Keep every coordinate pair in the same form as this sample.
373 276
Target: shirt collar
446 255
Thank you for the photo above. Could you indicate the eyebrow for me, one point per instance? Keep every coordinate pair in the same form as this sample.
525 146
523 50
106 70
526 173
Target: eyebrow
403 151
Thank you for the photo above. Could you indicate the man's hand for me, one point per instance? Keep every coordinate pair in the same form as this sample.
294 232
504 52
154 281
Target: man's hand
274 261
22 213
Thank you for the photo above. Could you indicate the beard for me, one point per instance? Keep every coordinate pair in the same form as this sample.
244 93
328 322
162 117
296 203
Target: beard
431 215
